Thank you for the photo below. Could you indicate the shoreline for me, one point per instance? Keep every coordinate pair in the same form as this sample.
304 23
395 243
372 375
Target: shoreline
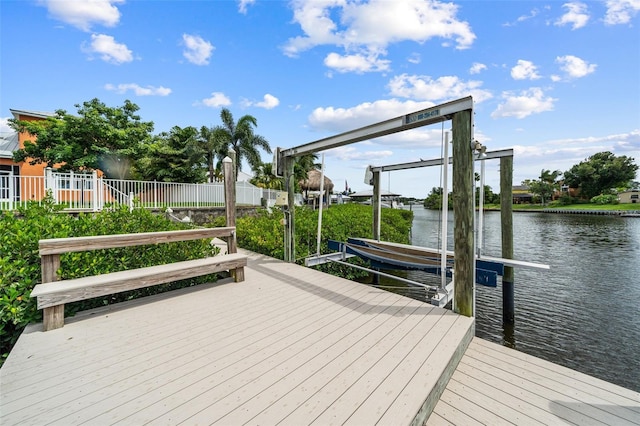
621 213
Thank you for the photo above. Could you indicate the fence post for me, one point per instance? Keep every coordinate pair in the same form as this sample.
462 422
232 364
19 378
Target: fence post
49 184
12 182
94 193
71 193
100 189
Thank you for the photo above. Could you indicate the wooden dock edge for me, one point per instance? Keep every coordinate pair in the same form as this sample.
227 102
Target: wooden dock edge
432 399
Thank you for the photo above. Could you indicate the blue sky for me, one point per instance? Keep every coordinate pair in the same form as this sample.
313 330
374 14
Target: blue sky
557 81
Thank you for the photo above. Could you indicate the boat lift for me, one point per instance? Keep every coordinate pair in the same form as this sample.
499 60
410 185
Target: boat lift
464 150
388 255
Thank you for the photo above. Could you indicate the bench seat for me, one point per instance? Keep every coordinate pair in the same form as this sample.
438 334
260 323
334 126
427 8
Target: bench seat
66 291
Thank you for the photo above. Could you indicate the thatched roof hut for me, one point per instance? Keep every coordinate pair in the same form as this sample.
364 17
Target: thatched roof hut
312 182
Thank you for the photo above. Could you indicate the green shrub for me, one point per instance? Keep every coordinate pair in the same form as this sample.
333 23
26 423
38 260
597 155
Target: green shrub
264 233
604 199
20 261
566 200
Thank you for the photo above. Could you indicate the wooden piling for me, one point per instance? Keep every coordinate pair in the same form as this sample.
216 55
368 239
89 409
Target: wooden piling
228 166
463 212
506 226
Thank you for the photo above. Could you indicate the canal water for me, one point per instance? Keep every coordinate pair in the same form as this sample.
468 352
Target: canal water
583 313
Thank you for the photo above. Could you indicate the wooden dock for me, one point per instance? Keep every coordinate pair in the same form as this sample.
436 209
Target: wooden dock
289 345
495 385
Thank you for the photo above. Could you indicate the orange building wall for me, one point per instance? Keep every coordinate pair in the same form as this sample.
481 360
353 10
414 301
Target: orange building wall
27 169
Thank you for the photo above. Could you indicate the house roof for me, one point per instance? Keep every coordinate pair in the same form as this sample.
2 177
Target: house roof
520 188
369 193
8 144
36 114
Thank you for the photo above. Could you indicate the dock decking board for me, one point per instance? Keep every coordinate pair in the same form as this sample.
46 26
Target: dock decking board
289 346
494 384
269 348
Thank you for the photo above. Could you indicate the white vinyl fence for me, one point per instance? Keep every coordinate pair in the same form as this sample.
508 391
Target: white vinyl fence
77 191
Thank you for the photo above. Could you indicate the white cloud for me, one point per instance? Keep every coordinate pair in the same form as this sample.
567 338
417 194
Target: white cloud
197 50
367 28
414 58
477 68
575 67
217 99
356 153
82 14
576 15
562 154
441 89
525 70
522 18
269 102
243 4
108 49
532 101
138 90
630 141
344 119
4 125
356 63
621 11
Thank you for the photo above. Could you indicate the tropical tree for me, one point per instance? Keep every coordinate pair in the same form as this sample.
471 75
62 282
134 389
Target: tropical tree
489 196
601 174
174 156
97 138
434 199
545 185
264 177
303 165
214 147
241 137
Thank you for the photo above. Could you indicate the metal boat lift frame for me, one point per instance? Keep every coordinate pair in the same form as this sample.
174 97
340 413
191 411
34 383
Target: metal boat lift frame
460 112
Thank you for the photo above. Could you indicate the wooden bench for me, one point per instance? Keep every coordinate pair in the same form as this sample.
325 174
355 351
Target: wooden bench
53 294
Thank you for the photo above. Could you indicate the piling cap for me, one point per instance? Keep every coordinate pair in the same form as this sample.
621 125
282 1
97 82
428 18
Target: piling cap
227 160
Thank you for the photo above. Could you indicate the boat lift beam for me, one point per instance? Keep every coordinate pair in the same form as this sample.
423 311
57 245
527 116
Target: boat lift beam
438 161
416 119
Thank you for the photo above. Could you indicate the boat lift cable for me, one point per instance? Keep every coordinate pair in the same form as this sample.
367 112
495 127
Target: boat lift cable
404 280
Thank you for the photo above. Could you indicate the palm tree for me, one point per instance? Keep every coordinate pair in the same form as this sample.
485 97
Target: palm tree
545 185
265 178
241 137
303 165
213 146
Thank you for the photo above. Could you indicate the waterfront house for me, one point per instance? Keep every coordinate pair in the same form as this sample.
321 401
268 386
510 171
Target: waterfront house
629 196
521 194
14 141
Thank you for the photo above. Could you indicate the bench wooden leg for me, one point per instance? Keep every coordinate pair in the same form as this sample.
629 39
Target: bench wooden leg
238 274
53 317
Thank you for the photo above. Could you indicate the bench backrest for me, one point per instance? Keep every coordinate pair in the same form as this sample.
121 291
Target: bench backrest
75 244
51 249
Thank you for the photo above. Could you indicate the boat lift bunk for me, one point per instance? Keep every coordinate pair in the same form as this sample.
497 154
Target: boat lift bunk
395 256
